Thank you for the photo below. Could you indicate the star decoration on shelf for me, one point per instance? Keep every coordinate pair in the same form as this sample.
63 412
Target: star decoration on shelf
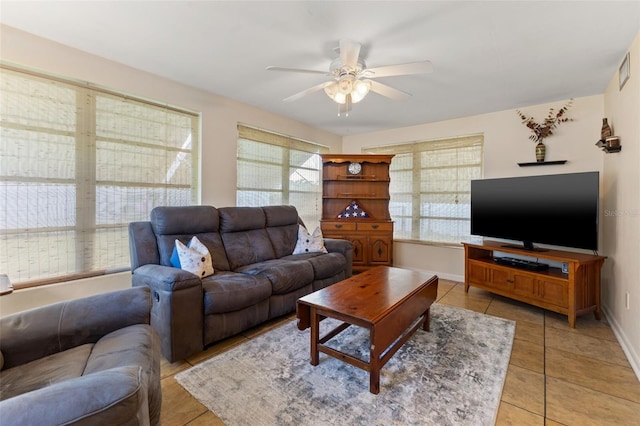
353 210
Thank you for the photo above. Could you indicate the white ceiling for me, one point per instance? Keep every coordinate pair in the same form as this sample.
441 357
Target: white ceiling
487 55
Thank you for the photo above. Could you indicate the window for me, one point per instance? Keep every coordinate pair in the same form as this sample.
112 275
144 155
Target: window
430 187
274 169
77 164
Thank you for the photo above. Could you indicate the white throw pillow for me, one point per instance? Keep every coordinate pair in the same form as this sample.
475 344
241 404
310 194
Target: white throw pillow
195 258
309 243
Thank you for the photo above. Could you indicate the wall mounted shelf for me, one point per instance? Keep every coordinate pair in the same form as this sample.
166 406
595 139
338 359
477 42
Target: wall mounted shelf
542 163
610 150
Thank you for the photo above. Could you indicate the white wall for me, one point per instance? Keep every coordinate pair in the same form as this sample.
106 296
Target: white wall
506 143
622 203
219 135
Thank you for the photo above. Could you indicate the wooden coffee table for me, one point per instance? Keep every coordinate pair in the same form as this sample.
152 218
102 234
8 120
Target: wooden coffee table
387 301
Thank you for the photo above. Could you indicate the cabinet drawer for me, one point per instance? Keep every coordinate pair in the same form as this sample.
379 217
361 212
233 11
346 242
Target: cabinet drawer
554 291
478 272
338 226
500 279
380 226
523 284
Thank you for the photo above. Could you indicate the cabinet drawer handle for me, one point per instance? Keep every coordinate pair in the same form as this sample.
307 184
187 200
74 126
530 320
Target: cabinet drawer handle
510 281
375 226
338 226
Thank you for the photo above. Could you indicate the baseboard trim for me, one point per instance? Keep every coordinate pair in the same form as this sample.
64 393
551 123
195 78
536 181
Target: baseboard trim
443 275
625 343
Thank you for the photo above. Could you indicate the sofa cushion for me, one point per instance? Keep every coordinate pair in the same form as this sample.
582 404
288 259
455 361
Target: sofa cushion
283 239
194 258
244 235
280 215
184 220
247 247
210 240
230 291
309 243
183 223
236 219
112 397
327 265
44 372
131 345
282 226
284 275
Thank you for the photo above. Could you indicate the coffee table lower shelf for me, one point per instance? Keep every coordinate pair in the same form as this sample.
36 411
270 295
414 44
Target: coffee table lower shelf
377 357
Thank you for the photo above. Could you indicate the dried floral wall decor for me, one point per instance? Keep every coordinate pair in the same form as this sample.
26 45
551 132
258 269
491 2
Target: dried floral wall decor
540 131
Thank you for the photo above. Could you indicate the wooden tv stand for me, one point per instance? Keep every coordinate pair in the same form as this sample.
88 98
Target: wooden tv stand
573 294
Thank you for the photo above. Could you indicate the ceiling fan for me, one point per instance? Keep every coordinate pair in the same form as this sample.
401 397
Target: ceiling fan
352 80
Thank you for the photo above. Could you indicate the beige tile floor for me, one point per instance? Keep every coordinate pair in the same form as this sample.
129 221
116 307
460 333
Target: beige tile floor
556 376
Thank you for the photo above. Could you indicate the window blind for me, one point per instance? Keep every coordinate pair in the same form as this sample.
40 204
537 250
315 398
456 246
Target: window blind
77 165
275 169
430 187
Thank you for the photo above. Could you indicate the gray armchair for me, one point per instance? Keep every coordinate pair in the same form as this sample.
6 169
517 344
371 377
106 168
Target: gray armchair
94 360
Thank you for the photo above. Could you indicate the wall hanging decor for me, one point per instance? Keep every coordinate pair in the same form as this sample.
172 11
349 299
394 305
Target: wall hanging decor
540 131
624 71
608 142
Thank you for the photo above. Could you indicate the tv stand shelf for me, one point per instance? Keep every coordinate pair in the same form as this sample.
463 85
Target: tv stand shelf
573 294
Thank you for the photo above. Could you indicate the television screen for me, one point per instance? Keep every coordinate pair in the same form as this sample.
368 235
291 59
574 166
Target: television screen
559 210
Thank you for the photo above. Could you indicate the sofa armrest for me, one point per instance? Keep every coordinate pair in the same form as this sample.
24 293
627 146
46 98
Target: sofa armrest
115 396
177 313
36 333
143 248
345 247
164 278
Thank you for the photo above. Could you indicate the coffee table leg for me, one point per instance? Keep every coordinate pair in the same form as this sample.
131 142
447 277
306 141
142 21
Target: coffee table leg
427 321
315 336
374 369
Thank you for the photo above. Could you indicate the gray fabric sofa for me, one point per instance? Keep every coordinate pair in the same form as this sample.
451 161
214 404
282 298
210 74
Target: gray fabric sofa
256 277
94 360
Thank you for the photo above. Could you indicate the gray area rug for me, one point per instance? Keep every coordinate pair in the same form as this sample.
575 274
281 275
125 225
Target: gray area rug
451 375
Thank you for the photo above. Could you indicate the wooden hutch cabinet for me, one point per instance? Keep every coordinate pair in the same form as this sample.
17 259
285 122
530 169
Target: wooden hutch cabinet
355 206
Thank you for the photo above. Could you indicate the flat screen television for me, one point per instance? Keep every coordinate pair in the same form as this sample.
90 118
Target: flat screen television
559 209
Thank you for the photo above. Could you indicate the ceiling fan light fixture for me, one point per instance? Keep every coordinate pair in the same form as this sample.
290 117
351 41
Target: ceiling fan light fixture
339 90
340 98
336 92
345 85
360 90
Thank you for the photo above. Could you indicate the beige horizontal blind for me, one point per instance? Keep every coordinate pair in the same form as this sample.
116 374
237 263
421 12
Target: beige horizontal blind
274 169
430 187
77 165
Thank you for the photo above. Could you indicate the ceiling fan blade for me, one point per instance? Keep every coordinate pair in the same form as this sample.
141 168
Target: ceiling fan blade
349 52
272 68
422 67
388 91
308 91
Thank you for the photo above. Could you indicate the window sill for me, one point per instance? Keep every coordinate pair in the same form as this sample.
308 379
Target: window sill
430 243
